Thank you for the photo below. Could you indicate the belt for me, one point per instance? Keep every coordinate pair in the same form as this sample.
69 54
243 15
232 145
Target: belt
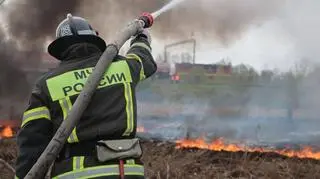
78 149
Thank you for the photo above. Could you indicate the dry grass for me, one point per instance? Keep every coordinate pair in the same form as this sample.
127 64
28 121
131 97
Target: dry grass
163 161
193 163
8 153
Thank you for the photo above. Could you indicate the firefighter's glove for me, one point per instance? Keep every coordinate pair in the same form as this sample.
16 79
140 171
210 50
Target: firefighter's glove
146 34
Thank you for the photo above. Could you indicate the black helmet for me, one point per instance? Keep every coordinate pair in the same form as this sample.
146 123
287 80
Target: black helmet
74 30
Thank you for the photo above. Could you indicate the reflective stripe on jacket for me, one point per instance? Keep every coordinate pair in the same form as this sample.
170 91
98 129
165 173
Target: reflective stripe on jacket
131 170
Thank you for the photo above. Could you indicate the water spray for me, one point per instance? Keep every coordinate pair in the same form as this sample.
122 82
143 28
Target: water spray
49 155
150 17
166 8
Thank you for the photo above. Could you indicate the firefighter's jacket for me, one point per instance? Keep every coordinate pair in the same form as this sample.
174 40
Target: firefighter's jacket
111 114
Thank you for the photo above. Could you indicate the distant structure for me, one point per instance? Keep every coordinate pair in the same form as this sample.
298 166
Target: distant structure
185 71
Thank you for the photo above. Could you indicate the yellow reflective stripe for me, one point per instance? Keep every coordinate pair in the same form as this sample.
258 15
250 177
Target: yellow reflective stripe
143 45
66 106
130 161
35 110
34 114
81 162
78 163
72 82
73 137
100 171
136 57
129 109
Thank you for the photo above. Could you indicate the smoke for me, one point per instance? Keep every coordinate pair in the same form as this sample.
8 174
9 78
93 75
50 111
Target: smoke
283 109
33 20
212 20
27 24
11 78
30 22
301 20
216 20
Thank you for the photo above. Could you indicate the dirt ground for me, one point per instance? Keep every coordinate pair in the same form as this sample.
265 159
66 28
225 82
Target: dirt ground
163 161
8 153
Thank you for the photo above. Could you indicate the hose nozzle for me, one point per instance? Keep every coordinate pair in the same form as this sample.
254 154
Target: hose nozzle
147 18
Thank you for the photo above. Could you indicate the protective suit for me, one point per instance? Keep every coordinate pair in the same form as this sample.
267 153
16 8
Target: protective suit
108 123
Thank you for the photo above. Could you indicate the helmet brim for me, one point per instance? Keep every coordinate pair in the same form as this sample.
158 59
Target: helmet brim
56 47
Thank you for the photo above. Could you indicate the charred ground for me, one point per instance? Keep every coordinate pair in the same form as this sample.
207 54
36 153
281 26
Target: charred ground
163 160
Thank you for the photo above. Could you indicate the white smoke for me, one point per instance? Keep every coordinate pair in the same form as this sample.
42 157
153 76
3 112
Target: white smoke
279 42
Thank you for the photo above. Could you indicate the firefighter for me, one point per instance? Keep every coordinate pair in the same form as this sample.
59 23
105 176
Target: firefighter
108 123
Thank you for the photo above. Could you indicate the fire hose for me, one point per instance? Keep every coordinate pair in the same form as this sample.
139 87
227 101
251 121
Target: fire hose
57 142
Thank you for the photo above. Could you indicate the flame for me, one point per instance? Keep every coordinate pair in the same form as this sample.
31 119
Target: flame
220 145
6 132
141 129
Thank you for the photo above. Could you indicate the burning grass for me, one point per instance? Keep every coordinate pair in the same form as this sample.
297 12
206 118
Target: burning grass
220 145
8 153
164 160
6 132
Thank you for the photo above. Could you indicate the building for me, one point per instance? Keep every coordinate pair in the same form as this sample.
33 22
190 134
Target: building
183 71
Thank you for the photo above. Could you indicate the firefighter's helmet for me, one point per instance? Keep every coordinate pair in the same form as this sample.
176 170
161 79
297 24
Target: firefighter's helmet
74 30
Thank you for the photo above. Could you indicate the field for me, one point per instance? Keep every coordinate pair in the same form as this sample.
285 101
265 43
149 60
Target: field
163 161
